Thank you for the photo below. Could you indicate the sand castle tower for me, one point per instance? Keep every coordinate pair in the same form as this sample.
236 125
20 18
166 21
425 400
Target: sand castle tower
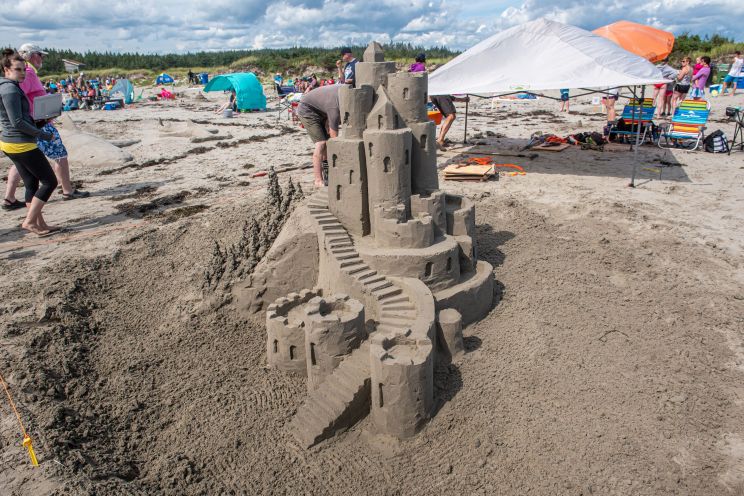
394 250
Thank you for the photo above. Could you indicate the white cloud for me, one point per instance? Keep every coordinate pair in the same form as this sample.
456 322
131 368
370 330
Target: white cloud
188 25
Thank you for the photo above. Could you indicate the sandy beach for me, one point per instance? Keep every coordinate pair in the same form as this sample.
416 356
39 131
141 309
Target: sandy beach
611 363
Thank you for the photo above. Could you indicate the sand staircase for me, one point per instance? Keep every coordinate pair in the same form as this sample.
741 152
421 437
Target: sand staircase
344 397
340 401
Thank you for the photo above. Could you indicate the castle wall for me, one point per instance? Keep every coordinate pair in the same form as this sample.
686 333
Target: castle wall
402 369
408 93
436 265
394 230
354 105
388 155
460 216
285 343
347 184
373 74
424 178
334 327
432 205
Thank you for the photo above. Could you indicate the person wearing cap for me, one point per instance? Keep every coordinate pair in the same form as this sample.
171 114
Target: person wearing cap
346 75
419 65
54 149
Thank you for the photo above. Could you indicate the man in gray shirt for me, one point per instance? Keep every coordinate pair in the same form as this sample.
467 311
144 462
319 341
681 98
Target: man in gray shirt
320 115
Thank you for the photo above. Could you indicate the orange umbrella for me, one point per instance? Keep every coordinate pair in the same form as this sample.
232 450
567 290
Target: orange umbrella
650 43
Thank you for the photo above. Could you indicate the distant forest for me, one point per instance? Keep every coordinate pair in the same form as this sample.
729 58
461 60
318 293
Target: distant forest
299 59
263 61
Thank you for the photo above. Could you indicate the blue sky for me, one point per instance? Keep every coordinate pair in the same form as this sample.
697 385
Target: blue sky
187 25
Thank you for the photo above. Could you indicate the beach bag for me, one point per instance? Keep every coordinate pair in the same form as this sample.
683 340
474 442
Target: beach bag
716 142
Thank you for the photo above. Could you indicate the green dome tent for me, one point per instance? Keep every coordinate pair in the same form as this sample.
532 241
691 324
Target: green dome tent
248 89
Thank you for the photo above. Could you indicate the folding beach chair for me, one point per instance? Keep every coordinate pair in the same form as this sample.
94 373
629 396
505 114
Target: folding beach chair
633 113
289 105
688 125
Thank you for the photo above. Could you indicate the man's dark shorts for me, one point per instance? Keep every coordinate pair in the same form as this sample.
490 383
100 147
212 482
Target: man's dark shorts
445 104
314 123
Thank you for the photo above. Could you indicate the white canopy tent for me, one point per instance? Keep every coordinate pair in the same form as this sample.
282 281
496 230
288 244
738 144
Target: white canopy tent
543 55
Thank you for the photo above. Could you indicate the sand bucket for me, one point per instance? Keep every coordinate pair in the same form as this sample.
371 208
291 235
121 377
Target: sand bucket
227 113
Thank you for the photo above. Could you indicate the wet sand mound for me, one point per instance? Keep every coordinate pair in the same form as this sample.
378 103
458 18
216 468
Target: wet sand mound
88 150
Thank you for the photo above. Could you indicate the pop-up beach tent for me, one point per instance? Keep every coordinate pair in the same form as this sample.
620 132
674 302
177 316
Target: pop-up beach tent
125 88
247 87
542 55
164 79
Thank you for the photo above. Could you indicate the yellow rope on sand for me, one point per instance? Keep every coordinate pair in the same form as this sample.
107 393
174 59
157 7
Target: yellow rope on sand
26 438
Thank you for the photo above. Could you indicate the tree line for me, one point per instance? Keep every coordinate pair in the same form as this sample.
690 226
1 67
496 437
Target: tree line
298 59
264 60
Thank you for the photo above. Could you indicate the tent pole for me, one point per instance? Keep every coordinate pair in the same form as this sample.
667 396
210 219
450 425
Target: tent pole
637 122
467 104
638 140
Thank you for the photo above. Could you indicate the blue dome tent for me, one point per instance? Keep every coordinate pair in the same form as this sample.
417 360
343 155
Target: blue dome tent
248 89
164 79
123 86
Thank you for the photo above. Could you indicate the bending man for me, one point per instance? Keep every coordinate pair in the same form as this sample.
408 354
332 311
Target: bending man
319 113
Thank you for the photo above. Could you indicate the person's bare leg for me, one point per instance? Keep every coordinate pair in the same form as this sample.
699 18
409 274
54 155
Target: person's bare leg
611 110
14 179
34 221
318 154
446 125
62 171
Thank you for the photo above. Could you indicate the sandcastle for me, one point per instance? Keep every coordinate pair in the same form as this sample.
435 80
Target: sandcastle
398 273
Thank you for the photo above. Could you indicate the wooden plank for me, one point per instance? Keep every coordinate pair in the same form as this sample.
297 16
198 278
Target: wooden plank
546 147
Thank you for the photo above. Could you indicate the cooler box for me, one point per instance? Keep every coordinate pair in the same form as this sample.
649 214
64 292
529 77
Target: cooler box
111 106
436 116
204 77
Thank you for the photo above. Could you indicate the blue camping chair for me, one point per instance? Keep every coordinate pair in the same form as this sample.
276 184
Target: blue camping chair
633 113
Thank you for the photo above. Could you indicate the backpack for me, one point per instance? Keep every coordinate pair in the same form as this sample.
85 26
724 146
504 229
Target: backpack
716 142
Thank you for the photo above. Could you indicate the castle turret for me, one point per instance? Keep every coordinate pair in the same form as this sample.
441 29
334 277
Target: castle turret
388 153
373 70
347 176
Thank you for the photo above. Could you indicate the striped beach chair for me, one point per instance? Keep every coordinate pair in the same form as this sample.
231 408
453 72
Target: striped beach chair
687 126
634 112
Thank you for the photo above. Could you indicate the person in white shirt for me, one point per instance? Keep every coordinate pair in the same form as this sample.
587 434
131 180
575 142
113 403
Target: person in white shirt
734 75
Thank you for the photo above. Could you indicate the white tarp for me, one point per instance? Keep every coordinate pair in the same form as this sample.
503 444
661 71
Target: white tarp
542 55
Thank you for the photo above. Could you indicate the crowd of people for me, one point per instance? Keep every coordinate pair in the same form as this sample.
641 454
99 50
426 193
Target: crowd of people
81 93
691 81
301 84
